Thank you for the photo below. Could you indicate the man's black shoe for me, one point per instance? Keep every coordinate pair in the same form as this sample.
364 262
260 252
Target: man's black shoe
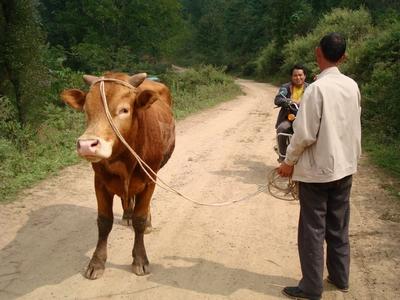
341 288
295 292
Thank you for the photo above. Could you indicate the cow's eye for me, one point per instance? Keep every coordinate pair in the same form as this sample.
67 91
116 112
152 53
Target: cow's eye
123 110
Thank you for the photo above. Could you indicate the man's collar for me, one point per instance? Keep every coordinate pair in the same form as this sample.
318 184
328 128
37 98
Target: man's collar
330 70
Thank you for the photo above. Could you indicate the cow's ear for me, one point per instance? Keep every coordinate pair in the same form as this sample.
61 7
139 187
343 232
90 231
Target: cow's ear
74 98
145 99
137 79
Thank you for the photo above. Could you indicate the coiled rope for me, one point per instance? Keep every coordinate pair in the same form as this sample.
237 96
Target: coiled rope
281 187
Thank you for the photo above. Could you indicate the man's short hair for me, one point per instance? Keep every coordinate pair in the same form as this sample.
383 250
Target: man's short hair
333 46
297 67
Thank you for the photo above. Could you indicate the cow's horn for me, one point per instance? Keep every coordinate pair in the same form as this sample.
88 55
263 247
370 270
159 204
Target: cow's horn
90 79
137 79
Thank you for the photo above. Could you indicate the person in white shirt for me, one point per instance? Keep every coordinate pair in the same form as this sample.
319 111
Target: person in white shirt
322 156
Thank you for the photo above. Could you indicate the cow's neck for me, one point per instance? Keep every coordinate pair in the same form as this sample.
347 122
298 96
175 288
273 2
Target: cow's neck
121 165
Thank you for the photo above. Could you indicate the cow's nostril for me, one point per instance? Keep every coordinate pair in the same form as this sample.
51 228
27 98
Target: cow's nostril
88 145
95 143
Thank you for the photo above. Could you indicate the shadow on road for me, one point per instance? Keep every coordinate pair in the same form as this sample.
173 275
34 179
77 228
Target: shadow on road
249 171
208 277
45 250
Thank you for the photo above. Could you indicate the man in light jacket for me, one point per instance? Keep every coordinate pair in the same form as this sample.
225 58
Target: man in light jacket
322 156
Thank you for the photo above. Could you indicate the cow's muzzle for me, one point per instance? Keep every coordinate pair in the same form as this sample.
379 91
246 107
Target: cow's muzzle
94 149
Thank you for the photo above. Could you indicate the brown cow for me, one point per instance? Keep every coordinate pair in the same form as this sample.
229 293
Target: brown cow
142 113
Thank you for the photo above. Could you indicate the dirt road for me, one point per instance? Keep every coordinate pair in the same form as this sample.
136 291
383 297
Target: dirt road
243 251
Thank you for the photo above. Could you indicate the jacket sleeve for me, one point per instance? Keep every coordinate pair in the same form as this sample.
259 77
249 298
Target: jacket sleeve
307 124
281 99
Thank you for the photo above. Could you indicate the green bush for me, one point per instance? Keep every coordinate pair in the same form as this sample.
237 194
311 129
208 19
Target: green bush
378 63
91 57
8 119
32 154
354 25
9 157
267 63
199 88
380 46
381 102
29 152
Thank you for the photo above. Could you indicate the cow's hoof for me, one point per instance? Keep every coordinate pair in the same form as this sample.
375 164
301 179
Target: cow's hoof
141 269
94 270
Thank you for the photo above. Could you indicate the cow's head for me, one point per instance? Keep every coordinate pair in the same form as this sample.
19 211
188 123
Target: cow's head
99 140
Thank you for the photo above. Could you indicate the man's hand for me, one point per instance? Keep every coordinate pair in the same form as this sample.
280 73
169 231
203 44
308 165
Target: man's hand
285 170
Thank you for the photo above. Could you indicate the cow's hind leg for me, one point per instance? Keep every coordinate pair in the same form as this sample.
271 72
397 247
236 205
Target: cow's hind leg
96 266
140 265
127 205
128 214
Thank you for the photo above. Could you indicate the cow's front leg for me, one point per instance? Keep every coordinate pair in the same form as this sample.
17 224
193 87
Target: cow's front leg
96 266
140 265
149 227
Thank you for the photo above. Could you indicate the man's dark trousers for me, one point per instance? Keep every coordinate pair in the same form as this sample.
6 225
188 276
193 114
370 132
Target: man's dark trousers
324 215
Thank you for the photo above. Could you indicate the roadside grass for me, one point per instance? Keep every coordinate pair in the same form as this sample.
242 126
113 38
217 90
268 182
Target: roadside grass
45 151
204 97
387 157
29 155
201 88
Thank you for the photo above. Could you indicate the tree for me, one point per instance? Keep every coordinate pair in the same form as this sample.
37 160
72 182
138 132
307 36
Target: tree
22 70
96 34
246 30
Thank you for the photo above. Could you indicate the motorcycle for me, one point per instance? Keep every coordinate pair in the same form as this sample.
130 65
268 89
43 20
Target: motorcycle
280 187
292 108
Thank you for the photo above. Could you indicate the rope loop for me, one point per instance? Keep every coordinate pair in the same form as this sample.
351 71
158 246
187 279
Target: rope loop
281 187
121 82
